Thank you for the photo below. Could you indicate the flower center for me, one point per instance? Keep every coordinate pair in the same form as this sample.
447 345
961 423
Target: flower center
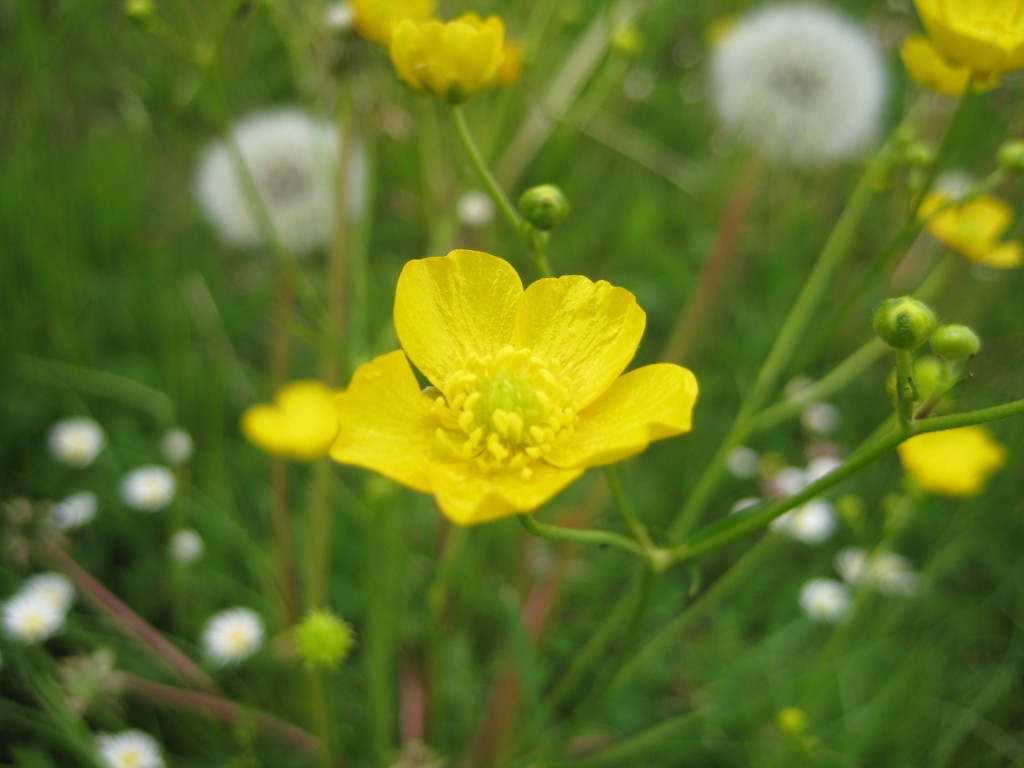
505 410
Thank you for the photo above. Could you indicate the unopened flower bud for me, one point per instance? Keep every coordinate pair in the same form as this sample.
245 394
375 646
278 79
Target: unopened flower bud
323 639
544 206
904 323
955 342
1011 156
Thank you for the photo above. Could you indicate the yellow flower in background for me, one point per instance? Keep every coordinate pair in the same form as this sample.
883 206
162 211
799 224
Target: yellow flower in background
954 462
526 387
299 424
374 19
453 60
974 228
930 69
986 36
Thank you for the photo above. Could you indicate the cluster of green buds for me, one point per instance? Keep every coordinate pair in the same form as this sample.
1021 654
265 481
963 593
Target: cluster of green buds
906 324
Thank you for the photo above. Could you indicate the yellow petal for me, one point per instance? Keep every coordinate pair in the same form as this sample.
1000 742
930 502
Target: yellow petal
647 404
927 67
954 462
386 423
1003 256
984 35
299 424
468 496
590 329
452 308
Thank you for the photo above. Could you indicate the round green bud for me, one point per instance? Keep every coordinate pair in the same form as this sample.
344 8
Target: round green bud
904 323
1011 156
323 639
955 342
544 206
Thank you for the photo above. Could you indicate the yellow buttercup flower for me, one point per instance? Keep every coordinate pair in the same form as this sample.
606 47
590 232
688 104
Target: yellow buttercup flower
974 228
986 36
301 423
930 69
375 19
453 60
525 392
954 462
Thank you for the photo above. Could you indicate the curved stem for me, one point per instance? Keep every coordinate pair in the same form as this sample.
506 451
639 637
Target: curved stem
484 173
625 507
579 535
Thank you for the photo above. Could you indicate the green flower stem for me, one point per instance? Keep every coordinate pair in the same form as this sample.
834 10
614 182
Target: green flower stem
322 714
382 546
582 536
534 240
786 343
906 390
625 507
317 595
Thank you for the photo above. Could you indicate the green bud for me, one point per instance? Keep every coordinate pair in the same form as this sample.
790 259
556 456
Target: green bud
323 639
544 206
955 342
1011 156
138 10
904 323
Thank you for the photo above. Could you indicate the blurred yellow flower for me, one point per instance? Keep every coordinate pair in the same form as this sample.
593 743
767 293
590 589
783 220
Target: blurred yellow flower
525 388
375 19
453 60
299 424
986 36
954 462
511 67
974 228
930 69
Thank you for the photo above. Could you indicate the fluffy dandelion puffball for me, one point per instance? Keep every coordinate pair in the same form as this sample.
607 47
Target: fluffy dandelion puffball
805 84
825 600
31 617
291 160
76 442
73 512
128 749
232 636
148 488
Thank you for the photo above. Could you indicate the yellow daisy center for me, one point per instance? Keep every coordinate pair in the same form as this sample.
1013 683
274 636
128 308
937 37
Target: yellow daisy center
504 410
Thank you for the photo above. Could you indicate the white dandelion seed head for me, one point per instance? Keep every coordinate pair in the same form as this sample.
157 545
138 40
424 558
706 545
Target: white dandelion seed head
186 546
31 617
232 636
892 575
743 462
292 160
820 418
825 600
128 749
851 564
803 82
475 208
148 488
52 586
76 442
813 523
177 447
74 511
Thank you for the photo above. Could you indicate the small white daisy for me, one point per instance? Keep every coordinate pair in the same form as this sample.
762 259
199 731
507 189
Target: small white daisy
186 546
743 462
821 466
177 447
73 512
820 418
851 564
339 16
813 523
825 600
148 488
76 442
129 749
52 586
892 575
475 208
31 617
291 159
232 636
803 82
786 482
